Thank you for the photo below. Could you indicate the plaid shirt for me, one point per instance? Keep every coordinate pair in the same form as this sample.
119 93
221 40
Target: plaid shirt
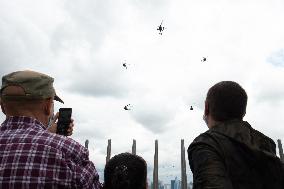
31 157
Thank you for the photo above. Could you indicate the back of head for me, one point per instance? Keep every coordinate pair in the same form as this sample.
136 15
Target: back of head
125 171
27 86
23 91
227 100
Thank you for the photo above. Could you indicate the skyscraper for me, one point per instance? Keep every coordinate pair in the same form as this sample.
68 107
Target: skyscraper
175 184
172 184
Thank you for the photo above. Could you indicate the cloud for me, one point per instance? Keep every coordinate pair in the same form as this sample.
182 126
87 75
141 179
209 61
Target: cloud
85 21
264 85
100 81
25 34
277 58
153 118
84 43
153 111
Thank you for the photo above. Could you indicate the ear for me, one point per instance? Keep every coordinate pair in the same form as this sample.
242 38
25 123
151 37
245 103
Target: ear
48 106
206 108
2 107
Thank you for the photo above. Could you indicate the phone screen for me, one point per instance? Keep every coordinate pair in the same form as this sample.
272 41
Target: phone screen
64 120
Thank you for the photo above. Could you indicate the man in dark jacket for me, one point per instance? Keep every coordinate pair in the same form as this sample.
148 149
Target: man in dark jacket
231 154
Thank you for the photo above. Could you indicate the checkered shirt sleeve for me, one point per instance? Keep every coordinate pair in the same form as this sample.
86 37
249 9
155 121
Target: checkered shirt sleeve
31 157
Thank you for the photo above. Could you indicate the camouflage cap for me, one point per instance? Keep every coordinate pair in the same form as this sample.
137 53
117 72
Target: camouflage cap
36 85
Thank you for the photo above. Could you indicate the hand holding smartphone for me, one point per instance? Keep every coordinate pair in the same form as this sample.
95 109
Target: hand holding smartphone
64 121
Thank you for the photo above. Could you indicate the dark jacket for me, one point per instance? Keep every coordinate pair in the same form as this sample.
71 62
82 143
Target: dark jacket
233 155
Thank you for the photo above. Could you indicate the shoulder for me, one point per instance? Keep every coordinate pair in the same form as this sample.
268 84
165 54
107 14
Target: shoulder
71 149
205 154
69 145
207 138
207 141
66 145
264 142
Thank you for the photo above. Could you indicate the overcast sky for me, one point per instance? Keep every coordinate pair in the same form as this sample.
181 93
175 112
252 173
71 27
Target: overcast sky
82 44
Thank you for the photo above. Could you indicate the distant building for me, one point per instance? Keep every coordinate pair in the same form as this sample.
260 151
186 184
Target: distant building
190 185
160 185
175 184
172 184
179 184
167 186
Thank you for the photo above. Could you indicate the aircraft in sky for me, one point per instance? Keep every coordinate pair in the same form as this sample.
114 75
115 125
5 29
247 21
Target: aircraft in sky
124 64
204 59
191 108
161 28
127 107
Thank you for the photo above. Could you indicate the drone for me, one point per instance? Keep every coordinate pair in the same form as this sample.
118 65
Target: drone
124 64
127 107
191 108
204 59
161 28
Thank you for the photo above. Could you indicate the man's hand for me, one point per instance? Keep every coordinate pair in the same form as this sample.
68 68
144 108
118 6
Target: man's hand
53 127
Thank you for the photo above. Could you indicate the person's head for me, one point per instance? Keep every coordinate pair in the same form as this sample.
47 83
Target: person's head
226 100
125 171
28 93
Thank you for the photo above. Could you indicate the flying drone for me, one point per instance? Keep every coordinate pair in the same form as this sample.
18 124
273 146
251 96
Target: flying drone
161 28
127 107
124 64
204 59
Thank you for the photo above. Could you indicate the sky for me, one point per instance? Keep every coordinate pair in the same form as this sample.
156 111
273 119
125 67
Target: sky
83 44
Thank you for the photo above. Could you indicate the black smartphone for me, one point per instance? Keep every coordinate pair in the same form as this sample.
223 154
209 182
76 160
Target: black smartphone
64 120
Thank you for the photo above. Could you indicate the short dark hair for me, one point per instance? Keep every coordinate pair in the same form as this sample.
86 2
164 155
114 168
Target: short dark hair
125 171
227 100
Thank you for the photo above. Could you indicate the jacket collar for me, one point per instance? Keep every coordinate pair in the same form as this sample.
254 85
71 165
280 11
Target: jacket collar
241 131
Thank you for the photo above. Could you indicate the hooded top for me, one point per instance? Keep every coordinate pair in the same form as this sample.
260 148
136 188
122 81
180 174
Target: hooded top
234 155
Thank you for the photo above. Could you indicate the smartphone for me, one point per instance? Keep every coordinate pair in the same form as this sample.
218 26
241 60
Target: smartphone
64 120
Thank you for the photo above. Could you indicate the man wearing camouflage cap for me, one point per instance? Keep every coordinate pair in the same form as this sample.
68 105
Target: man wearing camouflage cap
32 155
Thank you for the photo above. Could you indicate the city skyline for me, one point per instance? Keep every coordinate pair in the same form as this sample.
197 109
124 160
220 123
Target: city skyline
169 176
